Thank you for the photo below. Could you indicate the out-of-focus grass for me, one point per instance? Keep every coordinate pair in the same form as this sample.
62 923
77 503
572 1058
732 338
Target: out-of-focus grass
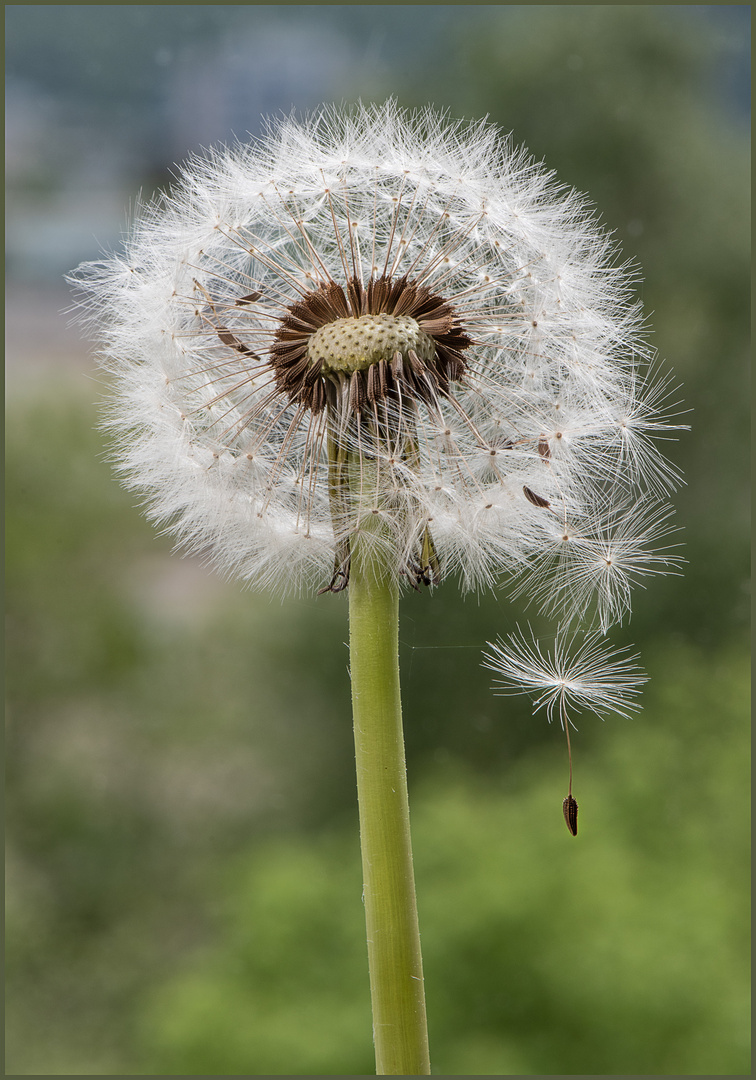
624 951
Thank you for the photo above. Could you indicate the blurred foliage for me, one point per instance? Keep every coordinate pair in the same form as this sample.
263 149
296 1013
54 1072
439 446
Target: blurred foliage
184 880
151 731
623 952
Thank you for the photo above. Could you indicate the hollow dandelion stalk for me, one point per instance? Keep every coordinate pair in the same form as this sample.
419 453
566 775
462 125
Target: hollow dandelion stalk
373 350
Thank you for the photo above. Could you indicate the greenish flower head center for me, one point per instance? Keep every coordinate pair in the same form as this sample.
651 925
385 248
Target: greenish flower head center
349 345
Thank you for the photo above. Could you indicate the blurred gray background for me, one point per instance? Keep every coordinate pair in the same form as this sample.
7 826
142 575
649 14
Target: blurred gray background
184 882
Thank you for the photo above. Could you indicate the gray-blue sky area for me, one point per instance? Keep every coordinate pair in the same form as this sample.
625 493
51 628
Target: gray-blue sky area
103 100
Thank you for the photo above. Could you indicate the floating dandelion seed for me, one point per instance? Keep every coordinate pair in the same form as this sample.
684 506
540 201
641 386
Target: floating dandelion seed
582 675
381 327
587 674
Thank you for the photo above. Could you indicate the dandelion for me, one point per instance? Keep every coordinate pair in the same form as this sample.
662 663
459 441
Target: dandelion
373 350
378 328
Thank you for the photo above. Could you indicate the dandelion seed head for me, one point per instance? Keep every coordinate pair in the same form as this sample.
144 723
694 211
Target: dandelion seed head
373 315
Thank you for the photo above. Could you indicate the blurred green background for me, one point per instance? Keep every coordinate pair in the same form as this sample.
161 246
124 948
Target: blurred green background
184 879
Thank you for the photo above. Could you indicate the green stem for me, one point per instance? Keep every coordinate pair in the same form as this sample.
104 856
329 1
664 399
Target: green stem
393 936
